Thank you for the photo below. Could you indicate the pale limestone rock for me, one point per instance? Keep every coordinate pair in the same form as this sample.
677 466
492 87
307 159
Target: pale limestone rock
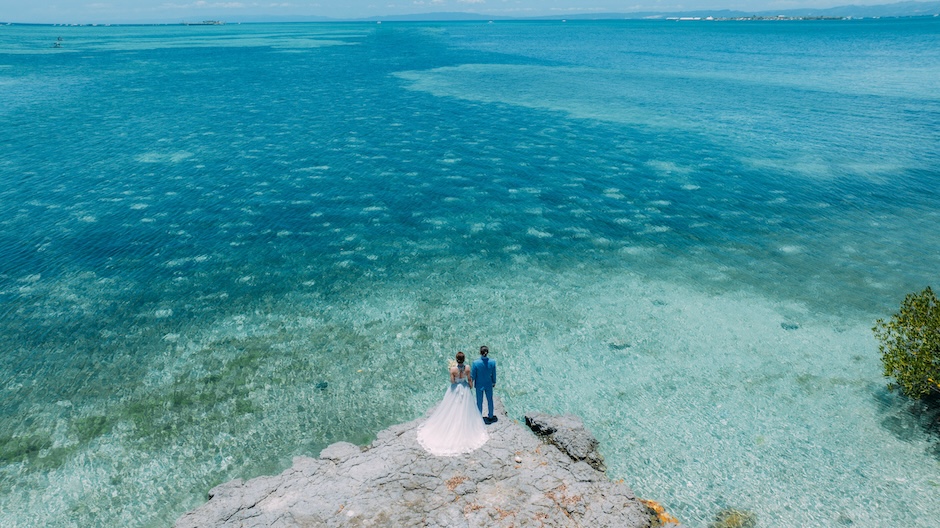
515 479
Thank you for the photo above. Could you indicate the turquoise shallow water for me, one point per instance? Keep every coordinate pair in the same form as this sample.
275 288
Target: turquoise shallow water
227 246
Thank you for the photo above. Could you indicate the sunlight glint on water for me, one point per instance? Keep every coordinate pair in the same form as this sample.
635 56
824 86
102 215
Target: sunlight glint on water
227 246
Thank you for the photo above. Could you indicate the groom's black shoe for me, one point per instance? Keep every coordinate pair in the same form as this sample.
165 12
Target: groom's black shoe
492 419
487 420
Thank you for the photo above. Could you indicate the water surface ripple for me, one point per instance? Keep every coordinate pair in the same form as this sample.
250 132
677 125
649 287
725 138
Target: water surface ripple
226 246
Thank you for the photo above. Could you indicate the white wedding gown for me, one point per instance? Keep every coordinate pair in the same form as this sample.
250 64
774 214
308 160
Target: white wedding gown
455 426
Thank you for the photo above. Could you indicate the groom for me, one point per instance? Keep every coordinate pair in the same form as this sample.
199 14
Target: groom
483 373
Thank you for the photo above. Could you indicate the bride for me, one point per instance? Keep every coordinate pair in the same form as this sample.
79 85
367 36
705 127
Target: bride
455 426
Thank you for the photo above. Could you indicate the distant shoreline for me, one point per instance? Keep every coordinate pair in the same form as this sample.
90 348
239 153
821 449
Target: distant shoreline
752 18
768 18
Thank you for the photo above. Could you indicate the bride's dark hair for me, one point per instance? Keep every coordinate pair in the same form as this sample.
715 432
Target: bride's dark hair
460 357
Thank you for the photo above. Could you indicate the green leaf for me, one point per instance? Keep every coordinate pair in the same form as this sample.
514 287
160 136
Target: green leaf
909 343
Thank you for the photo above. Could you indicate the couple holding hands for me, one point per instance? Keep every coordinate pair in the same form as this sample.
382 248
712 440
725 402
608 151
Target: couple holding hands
455 426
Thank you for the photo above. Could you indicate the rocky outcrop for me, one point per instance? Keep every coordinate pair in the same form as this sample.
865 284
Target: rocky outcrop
568 434
515 479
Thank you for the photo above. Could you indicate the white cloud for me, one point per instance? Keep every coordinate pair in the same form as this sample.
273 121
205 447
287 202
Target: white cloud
579 9
202 4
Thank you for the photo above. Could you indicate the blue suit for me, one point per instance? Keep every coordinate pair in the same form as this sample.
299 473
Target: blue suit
483 372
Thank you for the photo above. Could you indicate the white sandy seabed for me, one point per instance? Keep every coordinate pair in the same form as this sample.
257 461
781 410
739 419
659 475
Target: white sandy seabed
700 400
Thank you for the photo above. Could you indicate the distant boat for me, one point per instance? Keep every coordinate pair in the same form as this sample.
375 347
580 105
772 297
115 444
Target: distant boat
204 23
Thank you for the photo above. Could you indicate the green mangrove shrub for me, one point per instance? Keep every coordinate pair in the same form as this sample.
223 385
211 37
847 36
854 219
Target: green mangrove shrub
910 345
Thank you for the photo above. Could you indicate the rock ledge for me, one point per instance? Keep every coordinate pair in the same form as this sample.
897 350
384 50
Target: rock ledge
553 478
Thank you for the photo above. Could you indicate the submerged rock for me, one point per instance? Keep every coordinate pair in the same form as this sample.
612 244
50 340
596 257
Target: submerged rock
514 479
734 518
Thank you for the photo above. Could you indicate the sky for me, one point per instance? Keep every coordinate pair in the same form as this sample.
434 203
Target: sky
118 11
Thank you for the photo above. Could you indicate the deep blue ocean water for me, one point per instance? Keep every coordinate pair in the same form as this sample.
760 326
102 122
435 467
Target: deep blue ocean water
222 247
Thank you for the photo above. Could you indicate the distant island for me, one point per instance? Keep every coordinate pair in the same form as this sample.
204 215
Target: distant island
895 10
763 18
846 12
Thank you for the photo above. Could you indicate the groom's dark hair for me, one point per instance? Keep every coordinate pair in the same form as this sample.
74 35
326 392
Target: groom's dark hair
484 350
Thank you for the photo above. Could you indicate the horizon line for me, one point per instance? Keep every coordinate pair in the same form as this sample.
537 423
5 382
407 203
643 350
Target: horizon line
897 9
722 14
